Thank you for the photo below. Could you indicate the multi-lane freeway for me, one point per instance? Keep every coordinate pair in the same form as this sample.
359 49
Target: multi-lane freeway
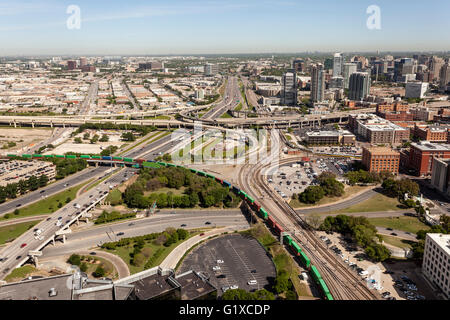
93 237
231 99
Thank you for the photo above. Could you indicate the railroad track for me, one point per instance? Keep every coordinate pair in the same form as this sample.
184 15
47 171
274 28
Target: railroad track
343 283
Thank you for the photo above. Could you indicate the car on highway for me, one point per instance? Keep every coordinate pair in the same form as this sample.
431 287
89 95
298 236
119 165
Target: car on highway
390 229
3 259
42 191
120 234
183 225
23 245
393 234
202 234
18 205
131 224
207 222
48 219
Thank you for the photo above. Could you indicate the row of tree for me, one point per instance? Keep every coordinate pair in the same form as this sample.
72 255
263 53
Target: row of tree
361 231
11 190
365 177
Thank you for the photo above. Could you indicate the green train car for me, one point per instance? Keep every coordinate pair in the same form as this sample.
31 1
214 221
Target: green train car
49 156
329 296
96 157
60 156
264 213
11 155
287 239
296 248
71 157
85 157
26 156
315 274
127 159
305 260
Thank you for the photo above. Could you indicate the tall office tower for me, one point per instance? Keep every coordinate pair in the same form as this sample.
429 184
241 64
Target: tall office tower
348 69
444 77
317 83
298 65
435 66
289 91
83 62
338 61
71 65
211 69
359 86
402 67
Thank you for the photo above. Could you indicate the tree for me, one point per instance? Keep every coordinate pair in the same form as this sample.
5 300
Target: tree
128 136
312 194
78 140
83 267
94 139
281 282
263 294
43 180
74 259
86 136
23 186
16 212
33 183
237 294
99 272
104 138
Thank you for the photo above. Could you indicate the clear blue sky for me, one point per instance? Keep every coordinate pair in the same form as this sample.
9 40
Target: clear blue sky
221 26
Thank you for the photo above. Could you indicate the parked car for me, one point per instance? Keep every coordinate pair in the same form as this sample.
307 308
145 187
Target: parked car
120 234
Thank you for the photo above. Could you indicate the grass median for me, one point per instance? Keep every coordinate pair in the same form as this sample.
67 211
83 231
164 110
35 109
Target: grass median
377 203
9 233
47 205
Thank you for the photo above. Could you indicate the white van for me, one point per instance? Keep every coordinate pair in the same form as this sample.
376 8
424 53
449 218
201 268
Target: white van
252 282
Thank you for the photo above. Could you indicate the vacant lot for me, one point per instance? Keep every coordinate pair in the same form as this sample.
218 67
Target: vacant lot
9 233
408 224
377 203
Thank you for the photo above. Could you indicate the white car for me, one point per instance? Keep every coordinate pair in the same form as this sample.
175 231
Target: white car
363 273
234 287
219 261
216 268
252 282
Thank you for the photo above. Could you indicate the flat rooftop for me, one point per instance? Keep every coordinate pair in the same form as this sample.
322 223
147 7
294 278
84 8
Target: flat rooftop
382 151
38 289
428 146
328 133
152 286
442 240
193 286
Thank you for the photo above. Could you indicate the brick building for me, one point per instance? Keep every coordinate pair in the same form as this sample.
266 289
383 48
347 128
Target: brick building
421 156
379 159
432 133
392 107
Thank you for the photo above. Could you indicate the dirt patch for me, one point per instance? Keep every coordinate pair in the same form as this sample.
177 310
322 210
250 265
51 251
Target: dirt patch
23 137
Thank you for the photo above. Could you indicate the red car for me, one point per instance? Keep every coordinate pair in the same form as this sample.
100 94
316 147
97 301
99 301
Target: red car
23 245
202 234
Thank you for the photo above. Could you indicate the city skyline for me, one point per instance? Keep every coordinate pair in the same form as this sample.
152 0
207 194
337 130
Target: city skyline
219 27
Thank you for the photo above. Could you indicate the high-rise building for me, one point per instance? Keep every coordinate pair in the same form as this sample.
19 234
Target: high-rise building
348 69
359 86
83 62
416 89
71 65
435 66
317 83
444 77
298 65
338 61
211 69
402 67
289 90
436 261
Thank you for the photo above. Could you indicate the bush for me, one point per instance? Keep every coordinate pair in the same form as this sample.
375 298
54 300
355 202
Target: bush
99 272
74 259
83 267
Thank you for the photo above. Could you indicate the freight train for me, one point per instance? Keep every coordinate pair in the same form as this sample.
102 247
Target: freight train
260 211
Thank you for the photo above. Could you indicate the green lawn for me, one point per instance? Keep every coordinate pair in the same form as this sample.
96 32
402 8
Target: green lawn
176 192
349 191
408 224
226 115
20 273
378 202
397 242
93 262
124 253
9 233
47 205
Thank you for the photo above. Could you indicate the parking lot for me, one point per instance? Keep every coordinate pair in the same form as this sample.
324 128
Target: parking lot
397 280
339 150
231 262
295 178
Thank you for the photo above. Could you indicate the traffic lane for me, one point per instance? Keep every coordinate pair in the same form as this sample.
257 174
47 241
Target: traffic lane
98 239
148 147
233 216
397 233
51 189
16 252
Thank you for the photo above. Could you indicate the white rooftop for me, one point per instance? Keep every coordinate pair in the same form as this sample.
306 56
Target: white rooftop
442 240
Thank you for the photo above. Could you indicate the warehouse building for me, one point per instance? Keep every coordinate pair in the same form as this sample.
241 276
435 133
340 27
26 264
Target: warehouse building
341 137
